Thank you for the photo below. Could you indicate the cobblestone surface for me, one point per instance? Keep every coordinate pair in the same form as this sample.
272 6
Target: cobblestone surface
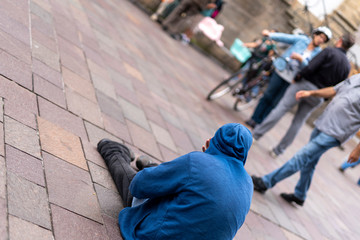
75 71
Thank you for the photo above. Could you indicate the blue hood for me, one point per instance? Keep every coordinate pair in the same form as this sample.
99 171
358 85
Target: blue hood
232 140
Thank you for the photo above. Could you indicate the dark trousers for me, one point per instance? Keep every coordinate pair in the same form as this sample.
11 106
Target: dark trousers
273 94
117 159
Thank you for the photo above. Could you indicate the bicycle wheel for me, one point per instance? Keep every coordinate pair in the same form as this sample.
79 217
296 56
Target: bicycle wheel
224 87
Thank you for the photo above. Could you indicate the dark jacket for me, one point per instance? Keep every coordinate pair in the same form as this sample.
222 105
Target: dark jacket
196 196
328 68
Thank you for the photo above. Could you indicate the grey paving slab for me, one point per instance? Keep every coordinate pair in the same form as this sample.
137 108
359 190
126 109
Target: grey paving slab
20 230
3 219
70 226
110 201
28 201
71 188
102 176
20 113
2 178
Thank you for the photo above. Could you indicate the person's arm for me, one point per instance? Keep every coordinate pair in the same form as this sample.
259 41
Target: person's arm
314 64
355 154
324 93
283 37
166 179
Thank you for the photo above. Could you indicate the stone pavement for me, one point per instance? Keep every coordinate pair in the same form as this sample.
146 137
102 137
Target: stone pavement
75 71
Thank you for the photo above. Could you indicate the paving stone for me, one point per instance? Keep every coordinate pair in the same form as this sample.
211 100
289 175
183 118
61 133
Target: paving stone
3 219
15 69
110 107
24 165
49 91
40 12
167 154
117 128
2 152
23 230
76 65
71 187
1 109
28 201
20 114
162 135
180 138
93 54
68 48
13 92
102 176
127 94
112 227
92 154
96 134
171 118
46 56
144 140
22 137
66 28
18 14
14 28
44 40
134 114
61 143
70 226
42 26
110 201
79 85
154 116
15 47
103 85
63 118
2 178
47 73
83 107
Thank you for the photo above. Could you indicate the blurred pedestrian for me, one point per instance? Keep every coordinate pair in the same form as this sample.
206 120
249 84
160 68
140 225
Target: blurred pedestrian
328 68
347 165
301 50
200 195
338 123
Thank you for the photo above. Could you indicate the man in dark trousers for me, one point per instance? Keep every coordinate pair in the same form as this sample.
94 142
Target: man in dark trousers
338 123
200 195
326 69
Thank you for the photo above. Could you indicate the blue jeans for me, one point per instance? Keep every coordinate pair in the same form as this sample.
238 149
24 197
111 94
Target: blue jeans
273 94
305 161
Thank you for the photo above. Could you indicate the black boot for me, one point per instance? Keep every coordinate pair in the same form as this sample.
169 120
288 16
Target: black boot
259 184
144 161
290 197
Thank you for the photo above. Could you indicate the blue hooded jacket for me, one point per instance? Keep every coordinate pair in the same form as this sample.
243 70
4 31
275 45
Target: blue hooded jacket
196 196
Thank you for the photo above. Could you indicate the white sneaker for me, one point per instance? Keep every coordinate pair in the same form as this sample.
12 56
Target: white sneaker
154 17
272 153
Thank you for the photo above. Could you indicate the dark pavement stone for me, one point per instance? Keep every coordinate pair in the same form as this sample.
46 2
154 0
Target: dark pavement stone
144 140
117 128
134 113
61 143
3 219
24 165
110 107
82 86
20 229
70 187
112 227
47 73
70 226
83 107
102 176
28 201
96 134
20 114
15 69
15 93
61 117
110 201
15 47
49 91
22 137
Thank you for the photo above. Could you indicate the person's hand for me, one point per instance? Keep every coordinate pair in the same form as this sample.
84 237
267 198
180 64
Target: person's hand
206 146
354 155
265 32
302 94
296 56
